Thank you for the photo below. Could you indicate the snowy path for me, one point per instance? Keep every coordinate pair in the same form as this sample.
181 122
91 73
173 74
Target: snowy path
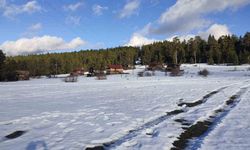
164 134
232 131
150 128
202 126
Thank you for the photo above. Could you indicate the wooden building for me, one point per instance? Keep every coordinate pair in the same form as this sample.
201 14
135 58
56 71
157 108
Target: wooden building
174 70
114 69
78 71
22 75
155 66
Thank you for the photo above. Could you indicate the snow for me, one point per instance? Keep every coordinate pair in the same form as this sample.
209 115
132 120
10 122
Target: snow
233 131
128 110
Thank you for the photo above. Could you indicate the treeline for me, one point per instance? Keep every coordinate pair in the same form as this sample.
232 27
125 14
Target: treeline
227 49
60 63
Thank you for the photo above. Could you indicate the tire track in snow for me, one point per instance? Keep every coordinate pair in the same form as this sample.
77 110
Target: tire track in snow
135 132
200 128
201 101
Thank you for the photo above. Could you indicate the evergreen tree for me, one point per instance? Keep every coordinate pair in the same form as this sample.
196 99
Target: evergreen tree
214 51
2 59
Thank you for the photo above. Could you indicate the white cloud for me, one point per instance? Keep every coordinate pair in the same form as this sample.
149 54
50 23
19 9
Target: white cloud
154 2
39 44
32 30
189 15
73 7
130 8
31 6
35 27
11 10
185 17
2 3
217 30
139 40
181 37
98 9
75 20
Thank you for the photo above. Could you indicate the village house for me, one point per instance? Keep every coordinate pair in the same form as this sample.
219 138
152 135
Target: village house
155 66
171 67
91 72
71 78
78 71
174 70
114 69
22 75
100 75
126 67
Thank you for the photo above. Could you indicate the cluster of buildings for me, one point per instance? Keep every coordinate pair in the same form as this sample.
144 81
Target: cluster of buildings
174 69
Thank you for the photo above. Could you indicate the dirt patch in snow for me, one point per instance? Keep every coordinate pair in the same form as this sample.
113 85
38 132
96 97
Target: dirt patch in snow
203 100
183 122
175 112
201 127
193 131
15 134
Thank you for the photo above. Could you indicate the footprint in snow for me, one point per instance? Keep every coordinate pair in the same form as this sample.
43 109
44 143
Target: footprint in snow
130 143
90 123
99 130
113 123
67 130
62 125
101 113
73 120
59 139
53 133
140 119
105 118
120 114
77 123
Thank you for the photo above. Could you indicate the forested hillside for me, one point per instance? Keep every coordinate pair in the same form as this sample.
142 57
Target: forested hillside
58 63
227 49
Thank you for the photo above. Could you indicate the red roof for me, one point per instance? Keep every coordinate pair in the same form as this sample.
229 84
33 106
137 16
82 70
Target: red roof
115 67
78 70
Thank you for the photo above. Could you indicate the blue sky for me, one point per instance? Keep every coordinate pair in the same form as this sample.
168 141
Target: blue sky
35 26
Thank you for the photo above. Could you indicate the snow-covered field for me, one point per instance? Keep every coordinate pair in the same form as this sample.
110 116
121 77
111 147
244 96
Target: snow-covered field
127 112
